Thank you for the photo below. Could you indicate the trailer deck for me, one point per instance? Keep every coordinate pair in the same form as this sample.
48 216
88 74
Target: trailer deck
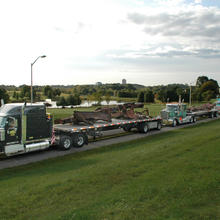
116 123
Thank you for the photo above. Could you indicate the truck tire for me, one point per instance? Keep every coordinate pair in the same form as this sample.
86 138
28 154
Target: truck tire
211 115
159 125
127 129
174 124
194 119
78 140
65 142
143 128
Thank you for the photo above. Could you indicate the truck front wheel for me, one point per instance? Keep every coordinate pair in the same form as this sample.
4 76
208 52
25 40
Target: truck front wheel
78 140
159 125
143 128
174 123
65 142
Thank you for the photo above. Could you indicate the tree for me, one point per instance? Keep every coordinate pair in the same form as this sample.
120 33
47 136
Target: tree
211 85
140 97
200 80
98 97
127 94
90 98
77 99
108 97
149 96
172 94
162 95
207 95
14 94
70 100
48 91
4 95
197 95
62 102
25 92
57 92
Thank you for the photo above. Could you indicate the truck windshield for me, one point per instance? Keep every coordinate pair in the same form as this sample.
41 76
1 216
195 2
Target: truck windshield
2 121
171 108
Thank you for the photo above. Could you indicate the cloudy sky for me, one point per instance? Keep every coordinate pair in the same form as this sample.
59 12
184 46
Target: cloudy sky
149 42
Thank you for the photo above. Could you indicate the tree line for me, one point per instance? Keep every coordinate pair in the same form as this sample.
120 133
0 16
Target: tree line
204 90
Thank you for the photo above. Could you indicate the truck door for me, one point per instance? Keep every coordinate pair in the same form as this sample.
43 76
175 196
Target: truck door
12 130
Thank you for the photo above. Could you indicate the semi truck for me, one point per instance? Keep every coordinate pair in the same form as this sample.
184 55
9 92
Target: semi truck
28 127
177 113
217 107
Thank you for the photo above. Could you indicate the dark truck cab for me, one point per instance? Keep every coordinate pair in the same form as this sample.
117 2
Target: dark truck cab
24 128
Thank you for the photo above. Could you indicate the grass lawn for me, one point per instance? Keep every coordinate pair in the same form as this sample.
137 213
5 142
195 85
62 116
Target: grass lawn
174 175
154 110
59 113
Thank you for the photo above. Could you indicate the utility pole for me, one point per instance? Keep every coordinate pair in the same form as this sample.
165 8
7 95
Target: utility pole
32 76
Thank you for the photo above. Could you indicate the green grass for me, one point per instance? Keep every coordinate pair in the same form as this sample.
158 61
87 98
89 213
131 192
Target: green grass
174 175
154 110
59 113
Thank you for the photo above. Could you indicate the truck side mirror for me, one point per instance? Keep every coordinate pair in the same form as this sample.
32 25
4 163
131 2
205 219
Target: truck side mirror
6 125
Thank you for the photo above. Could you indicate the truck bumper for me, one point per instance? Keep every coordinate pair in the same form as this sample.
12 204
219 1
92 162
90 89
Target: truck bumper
167 122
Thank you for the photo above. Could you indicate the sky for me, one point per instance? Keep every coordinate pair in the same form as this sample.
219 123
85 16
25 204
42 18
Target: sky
148 42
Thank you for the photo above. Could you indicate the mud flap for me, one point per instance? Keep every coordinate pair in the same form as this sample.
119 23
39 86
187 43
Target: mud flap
86 138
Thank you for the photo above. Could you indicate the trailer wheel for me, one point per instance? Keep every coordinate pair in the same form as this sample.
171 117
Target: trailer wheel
78 140
65 142
174 123
143 128
211 115
126 128
194 119
159 125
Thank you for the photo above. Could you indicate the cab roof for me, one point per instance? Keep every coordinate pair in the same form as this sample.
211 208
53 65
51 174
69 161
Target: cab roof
175 103
15 108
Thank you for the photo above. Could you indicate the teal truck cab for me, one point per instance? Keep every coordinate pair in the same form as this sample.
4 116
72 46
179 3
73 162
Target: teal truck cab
24 128
217 105
176 113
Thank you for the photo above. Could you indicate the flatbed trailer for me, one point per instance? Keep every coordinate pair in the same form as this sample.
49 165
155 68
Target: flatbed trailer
205 113
67 135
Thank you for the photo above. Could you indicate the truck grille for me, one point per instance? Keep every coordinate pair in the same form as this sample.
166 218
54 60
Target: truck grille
2 134
164 115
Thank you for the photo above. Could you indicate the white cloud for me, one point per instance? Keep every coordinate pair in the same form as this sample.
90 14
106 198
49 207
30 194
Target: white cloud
198 1
86 40
188 27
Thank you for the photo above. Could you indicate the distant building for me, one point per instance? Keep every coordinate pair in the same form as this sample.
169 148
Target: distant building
124 81
98 83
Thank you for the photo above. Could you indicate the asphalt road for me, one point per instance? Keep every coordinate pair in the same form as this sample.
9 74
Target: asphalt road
53 152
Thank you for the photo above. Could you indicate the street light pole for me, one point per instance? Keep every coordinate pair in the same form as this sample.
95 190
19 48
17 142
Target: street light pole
32 76
190 95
